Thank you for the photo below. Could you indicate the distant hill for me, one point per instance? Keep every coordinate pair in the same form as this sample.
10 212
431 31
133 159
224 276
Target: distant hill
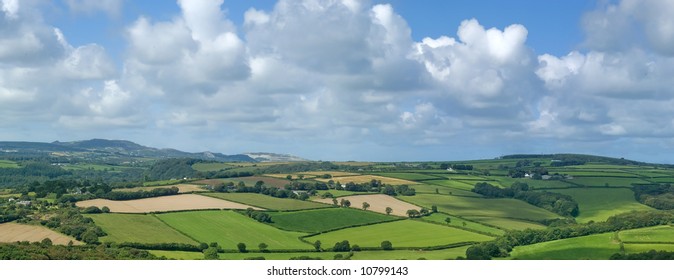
272 157
108 150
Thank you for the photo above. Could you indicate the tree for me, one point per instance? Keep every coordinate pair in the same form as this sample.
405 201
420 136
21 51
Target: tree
434 209
46 242
334 201
345 203
448 220
211 253
90 237
424 212
263 246
366 205
105 209
343 246
242 247
386 245
300 176
289 177
413 213
317 245
389 210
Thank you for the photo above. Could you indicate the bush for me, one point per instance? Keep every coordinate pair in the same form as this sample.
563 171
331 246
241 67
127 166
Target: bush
386 245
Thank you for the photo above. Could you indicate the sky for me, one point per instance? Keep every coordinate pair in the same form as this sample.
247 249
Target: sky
344 79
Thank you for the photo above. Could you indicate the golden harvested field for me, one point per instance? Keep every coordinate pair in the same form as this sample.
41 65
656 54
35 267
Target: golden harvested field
164 204
183 188
378 203
359 179
12 232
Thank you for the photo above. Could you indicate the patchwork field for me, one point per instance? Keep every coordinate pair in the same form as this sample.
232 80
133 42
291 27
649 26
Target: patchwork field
607 181
164 204
13 232
137 228
182 188
591 247
597 204
378 203
322 220
405 233
228 228
249 181
268 202
505 223
492 207
368 178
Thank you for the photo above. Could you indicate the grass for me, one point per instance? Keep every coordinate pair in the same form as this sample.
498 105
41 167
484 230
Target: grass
228 228
591 247
249 181
536 184
8 164
607 181
459 222
336 193
162 182
431 189
632 248
492 207
268 202
211 166
597 204
322 220
359 179
443 254
409 176
96 167
452 184
658 234
405 233
510 224
137 228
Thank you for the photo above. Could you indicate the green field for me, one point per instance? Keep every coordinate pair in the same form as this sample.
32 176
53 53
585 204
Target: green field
505 223
137 228
335 193
444 254
8 164
658 234
431 189
211 166
163 182
604 173
228 228
452 184
459 222
96 167
591 247
405 233
607 181
409 176
632 248
492 207
268 202
597 204
322 220
535 184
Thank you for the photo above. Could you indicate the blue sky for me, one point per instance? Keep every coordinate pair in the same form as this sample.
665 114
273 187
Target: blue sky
344 79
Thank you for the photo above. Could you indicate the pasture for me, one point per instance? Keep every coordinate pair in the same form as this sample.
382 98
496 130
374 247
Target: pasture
431 189
332 173
322 220
451 184
13 232
378 203
211 166
228 228
506 223
657 234
405 233
8 164
534 184
462 223
182 188
490 207
607 181
268 202
359 179
591 247
164 204
631 248
137 228
597 204
409 176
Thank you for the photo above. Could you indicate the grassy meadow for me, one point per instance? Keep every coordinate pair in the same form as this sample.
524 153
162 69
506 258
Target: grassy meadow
322 220
139 228
268 202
